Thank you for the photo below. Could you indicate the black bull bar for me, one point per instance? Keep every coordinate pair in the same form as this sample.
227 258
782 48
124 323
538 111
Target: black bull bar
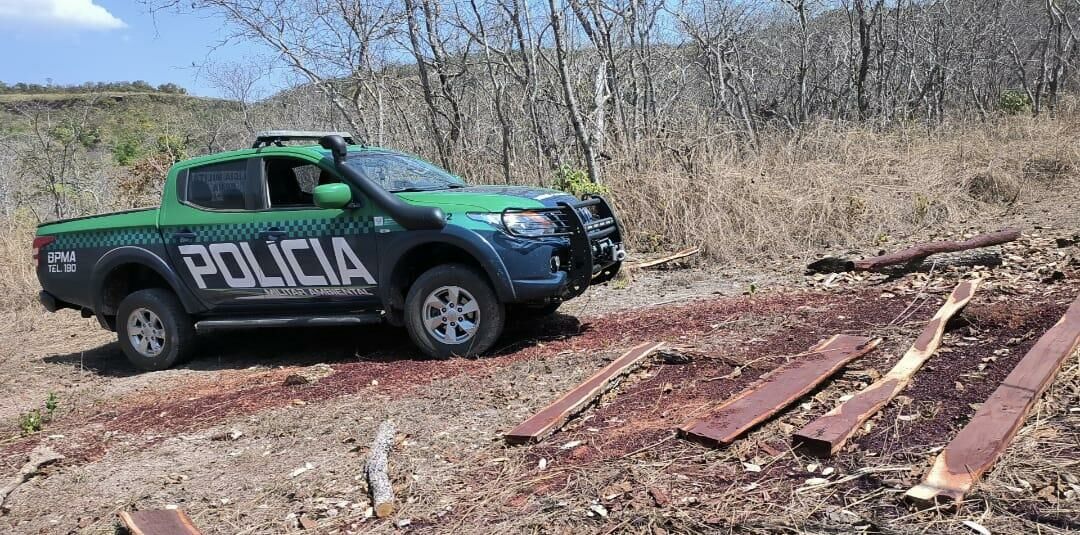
596 252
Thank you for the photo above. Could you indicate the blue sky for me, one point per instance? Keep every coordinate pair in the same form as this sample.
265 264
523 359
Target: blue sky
75 41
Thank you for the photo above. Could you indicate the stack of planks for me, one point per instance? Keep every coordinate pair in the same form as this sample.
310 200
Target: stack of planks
970 454
979 444
826 435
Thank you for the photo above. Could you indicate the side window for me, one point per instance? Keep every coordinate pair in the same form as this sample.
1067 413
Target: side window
290 182
219 186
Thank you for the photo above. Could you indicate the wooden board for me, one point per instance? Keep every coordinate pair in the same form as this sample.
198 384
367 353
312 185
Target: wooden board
776 390
979 444
826 435
158 522
554 416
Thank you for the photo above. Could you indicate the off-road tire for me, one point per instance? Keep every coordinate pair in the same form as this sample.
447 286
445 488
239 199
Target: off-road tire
179 332
492 316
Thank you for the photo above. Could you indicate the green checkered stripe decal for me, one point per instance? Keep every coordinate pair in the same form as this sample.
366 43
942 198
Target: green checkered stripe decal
294 228
106 238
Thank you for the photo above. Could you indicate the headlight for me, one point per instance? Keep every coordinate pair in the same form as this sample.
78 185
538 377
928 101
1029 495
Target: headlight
527 224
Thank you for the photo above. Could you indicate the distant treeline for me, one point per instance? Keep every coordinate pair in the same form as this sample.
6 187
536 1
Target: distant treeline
138 86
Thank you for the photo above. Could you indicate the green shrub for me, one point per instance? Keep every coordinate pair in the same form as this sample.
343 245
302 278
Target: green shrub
576 182
31 422
127 151
1014 102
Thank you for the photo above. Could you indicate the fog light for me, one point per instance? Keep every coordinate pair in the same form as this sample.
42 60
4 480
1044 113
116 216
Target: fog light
554 264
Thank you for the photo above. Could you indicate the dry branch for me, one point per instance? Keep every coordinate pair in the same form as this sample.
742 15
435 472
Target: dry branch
378 470
41 456
826 435
681 254
159 522
912 255
554 416
777 390
978 445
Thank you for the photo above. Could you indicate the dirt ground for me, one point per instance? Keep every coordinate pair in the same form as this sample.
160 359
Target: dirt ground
226 438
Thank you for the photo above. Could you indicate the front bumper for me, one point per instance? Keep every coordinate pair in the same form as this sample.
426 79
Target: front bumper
594 251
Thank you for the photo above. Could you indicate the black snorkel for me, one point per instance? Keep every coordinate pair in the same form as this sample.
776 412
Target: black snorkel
409 216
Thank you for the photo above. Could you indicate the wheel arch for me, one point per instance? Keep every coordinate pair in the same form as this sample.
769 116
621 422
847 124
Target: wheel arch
405 259
124 270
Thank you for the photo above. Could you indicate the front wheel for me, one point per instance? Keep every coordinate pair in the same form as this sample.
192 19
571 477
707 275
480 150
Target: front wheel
452 310
153 329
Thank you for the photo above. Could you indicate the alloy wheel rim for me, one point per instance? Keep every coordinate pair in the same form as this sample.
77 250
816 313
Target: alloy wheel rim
146 332
451 315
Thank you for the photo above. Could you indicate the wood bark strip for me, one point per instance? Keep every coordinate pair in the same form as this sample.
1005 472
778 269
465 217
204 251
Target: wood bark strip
555 415
776 390
826 435
378 470
979 444
39 457
158 522
912 255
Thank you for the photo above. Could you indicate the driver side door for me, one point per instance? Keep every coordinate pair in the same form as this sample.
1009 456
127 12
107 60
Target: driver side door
319 257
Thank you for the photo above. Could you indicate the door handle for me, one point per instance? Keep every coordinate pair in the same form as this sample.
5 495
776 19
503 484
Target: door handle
184 235
273 234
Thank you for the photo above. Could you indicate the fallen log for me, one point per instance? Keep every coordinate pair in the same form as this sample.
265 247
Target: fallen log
826 435
555 415
681 254
988 257
979 444
776 390
912 255
158 522
378 470
39 457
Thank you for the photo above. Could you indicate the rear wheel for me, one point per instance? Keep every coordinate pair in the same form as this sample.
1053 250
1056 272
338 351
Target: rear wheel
153 329
452 310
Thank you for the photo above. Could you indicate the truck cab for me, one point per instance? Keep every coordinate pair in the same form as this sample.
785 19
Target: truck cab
334 233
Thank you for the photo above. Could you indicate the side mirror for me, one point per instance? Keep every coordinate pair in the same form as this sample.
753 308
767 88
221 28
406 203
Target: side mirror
332 195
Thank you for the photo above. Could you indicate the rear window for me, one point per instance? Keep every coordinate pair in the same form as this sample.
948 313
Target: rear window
219 186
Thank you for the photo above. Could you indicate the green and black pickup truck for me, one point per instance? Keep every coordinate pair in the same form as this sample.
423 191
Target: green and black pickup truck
335 233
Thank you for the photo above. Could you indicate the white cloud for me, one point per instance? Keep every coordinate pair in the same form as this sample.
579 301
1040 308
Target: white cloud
77 14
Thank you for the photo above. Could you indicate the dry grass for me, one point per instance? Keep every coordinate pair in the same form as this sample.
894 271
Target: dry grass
18 283
839 185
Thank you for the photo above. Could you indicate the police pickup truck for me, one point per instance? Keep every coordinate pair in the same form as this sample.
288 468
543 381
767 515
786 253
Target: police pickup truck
334 233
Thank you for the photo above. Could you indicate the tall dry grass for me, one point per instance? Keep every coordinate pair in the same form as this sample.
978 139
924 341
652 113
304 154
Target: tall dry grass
833 185
840 185
18 282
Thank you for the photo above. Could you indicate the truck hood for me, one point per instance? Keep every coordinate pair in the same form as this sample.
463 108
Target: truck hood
489 198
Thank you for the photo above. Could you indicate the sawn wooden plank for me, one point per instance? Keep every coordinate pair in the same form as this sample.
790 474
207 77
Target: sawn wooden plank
979 444
158 522
554 416
826 435
776 390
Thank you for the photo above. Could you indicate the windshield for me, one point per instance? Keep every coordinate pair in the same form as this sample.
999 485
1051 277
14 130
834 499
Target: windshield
398 172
